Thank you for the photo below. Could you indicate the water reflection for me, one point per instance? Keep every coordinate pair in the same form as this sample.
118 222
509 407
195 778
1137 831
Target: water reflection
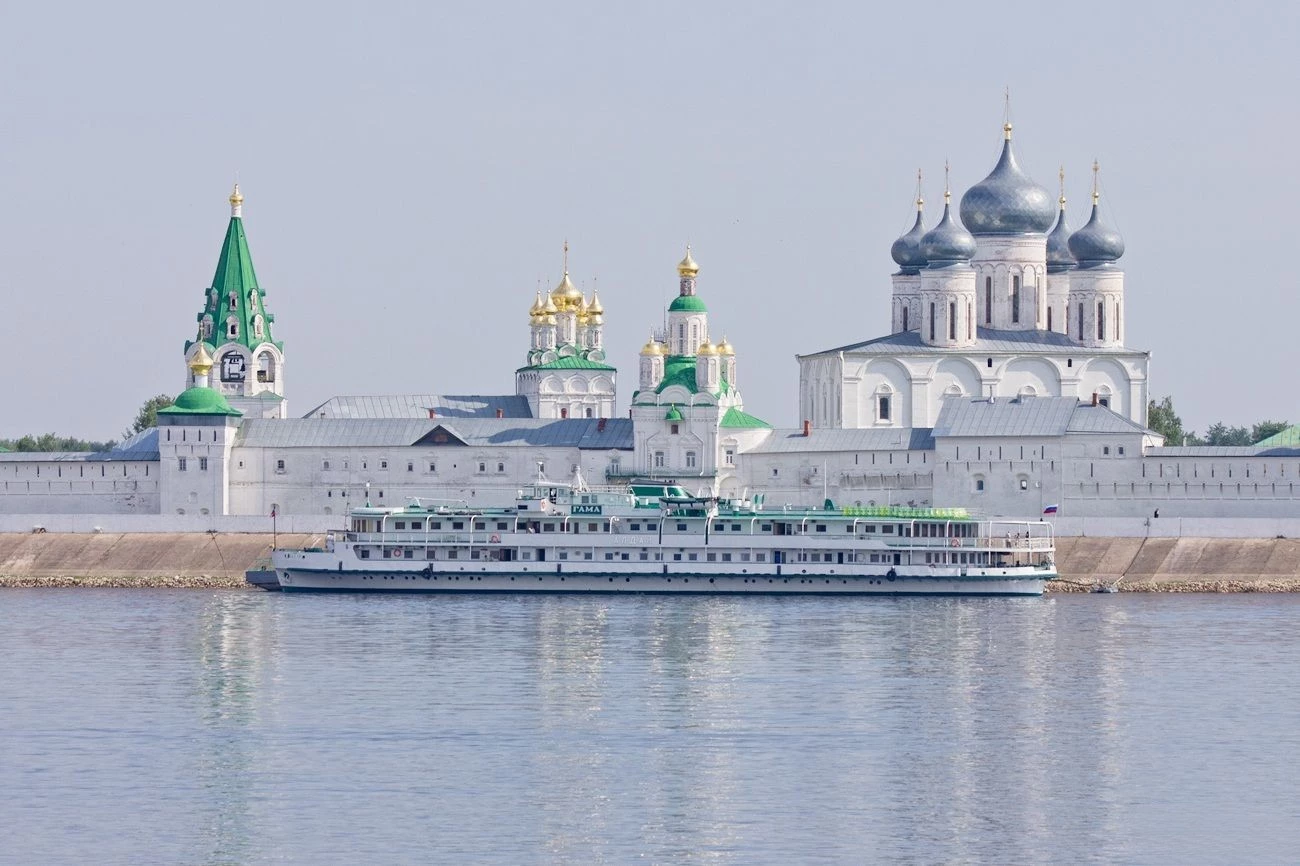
246 728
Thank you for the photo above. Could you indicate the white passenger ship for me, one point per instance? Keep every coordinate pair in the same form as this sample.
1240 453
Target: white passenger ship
654 537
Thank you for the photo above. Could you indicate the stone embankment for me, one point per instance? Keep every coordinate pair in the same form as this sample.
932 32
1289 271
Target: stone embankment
1178 564
220 560
135 559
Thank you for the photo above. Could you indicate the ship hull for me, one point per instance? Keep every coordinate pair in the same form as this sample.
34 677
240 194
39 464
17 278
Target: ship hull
304 576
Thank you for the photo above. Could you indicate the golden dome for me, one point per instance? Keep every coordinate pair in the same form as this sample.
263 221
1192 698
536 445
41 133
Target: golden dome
654 347
594 307
202 362
725 348
687 266
549 308
236 197
537 307
706 348
566 295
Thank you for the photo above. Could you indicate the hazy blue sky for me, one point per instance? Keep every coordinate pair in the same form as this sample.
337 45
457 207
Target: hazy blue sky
411 172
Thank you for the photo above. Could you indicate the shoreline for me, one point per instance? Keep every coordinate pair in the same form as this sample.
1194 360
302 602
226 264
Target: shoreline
219 561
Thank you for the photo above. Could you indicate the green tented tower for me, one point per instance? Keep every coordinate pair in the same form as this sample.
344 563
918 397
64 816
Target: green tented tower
235 328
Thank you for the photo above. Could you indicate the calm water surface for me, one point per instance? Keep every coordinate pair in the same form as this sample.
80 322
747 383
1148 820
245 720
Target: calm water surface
247 727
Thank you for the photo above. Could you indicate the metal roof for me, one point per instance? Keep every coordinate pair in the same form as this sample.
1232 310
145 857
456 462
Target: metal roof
1028 416
987 340
887 439
419 405
141 446
1101 419
584 433
1210 451
1020 416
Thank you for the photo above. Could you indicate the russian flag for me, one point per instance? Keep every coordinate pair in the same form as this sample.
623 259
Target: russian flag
1051 509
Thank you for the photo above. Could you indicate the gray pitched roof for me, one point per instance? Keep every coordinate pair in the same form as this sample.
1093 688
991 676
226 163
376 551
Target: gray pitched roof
419 406
141 446
987 340
1027 416
585 433
1210 451
886 439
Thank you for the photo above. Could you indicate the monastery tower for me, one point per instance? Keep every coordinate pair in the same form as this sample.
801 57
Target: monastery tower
235 330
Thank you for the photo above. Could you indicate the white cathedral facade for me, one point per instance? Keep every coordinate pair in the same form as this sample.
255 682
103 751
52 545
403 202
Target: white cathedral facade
1008 302
1006 386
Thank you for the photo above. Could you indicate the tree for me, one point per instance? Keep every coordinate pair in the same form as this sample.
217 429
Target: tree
148 415
1221 434
53 442
1265 429
1162 418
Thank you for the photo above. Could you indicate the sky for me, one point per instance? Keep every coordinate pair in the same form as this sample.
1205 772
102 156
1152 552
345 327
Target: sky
411 172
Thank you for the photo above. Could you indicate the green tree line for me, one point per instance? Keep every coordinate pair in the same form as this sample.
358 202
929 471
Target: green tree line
1162 418
144 419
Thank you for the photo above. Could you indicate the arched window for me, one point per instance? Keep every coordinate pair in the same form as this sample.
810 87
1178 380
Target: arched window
1049 318
1015 299
932 321
1101 320
970 322
265 367
1118 335
1081 320
988 300
952 321
905 317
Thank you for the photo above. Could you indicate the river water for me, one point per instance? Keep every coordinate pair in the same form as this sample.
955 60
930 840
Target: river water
241 727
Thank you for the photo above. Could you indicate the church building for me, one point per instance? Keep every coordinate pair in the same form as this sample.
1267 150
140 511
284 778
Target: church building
1004 302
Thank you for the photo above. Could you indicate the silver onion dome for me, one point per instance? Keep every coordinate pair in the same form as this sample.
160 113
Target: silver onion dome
947 243
1096 244
1007 202
906 251
1059 257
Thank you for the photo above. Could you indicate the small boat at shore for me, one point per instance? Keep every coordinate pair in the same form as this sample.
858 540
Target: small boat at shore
655 537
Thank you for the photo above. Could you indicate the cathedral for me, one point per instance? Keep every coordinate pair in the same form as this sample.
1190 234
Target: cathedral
1005 302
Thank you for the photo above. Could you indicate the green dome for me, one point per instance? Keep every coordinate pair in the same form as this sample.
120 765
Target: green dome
687 304
200 401
674 414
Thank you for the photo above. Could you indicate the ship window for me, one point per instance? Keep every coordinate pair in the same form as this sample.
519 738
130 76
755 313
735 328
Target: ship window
681 527
435 524
451 554
677 557
744 557
712 557
401 524
528 554
564 554
887 529
502 525
760 557
624 557
644 556
821 527
635 527
548 527
480 525
693 557
766 527
458 524
586 555
364 554
735 527
726 557
593 527
609 556
409 554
